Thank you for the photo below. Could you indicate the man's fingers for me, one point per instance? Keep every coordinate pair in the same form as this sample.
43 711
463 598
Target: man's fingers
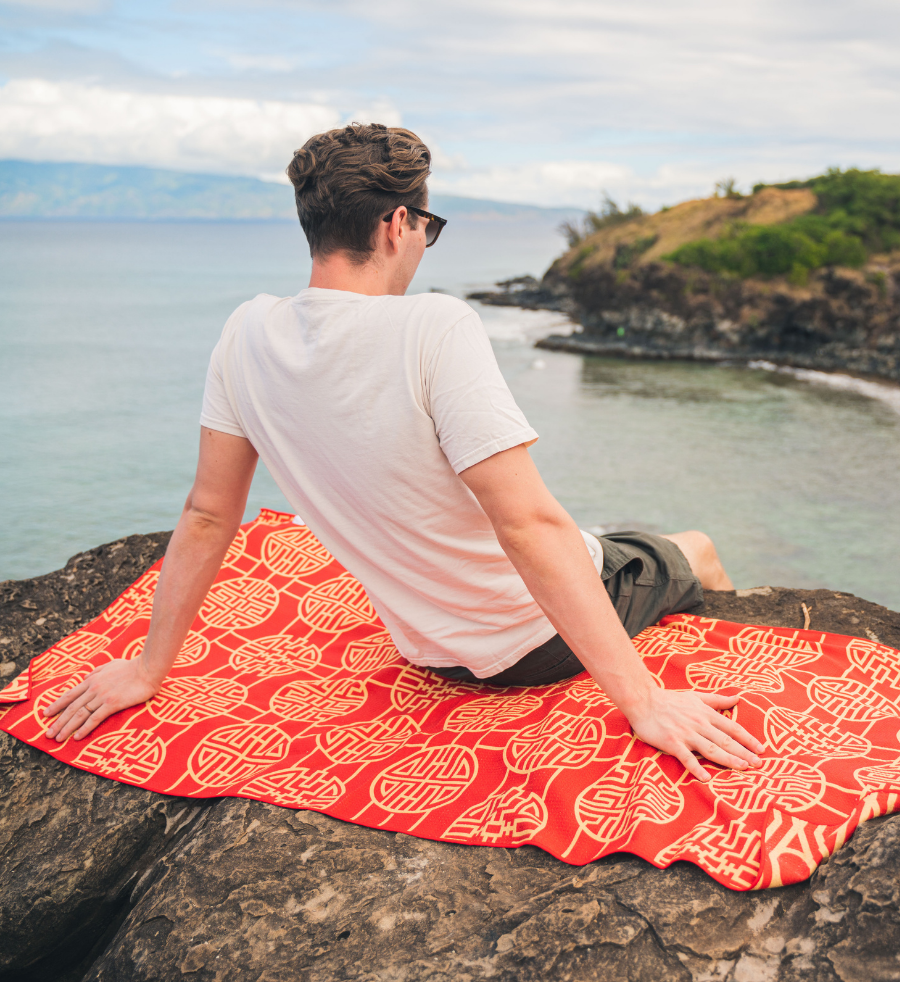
717 701
738 733
62 719
65 699
92 722
71 717
721 749
69 721
693 766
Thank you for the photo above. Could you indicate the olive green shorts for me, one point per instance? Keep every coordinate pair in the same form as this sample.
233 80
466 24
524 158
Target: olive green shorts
646 577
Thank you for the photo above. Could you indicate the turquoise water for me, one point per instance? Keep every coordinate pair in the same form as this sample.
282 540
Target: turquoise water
106 329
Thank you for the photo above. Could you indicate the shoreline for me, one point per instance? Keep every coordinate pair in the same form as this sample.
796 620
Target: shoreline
847 332
576 344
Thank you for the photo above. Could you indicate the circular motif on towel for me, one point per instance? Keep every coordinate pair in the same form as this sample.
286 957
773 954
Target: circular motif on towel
878 776
239 603
789 733
366 741
492 712
425 780
231 753
585 692
877 661
684 639
760 644
314 702
279 654
296 787
631 793
337 605
850 700
126 755
16 691
790 785
136 603
508 818
734 672
184 701
370 654
558 740
416 688
194 650
237 548
67 655
294 552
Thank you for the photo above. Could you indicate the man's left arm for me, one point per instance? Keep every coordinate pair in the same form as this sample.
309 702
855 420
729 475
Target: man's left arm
208 524
544 544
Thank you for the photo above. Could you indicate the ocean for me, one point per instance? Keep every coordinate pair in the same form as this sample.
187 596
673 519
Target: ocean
106 330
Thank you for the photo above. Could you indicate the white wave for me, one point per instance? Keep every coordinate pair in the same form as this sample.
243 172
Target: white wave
523 326
882 392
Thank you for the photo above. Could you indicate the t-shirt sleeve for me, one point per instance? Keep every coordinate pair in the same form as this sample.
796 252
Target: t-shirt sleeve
474 413
217 412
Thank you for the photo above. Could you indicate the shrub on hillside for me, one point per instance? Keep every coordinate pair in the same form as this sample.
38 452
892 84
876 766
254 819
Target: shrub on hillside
858 213
774 250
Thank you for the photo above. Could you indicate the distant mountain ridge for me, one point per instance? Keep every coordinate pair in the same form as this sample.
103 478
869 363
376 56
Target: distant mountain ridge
30 189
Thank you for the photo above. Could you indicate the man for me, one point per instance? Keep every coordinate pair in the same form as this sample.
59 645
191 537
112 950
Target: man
388 426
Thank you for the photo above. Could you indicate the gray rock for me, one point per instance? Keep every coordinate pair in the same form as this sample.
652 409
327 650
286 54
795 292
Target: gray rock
105 882
72 846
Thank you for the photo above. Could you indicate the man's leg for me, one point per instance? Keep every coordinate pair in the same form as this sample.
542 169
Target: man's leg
704 561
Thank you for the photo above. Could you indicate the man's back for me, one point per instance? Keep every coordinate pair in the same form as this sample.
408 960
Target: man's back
365 409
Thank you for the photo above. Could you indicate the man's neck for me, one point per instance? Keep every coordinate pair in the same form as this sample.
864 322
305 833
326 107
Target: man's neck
372 279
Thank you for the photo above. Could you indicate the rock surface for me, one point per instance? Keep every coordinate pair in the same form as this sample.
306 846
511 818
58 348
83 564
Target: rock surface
101 881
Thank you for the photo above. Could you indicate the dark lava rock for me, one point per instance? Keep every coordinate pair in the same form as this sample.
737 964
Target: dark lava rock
842 321
101 881
35 614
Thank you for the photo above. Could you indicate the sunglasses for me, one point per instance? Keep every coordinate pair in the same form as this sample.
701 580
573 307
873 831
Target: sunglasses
432 229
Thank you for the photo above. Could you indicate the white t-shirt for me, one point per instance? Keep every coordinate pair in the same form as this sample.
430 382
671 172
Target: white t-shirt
365 410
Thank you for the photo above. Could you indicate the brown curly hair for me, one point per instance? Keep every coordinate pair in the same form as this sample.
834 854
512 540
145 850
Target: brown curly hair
347 179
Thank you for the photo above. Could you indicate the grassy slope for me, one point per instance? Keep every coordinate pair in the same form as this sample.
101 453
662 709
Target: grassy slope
686 223
837 219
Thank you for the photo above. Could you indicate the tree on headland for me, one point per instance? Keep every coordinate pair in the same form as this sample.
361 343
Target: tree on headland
727 188
608 214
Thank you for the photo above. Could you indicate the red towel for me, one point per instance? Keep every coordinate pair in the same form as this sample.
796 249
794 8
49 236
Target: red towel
289 690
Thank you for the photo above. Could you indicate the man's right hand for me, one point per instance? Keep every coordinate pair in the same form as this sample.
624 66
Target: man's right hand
211 517
680 722
109 688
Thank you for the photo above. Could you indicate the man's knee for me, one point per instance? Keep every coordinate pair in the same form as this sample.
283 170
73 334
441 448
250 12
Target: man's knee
700 552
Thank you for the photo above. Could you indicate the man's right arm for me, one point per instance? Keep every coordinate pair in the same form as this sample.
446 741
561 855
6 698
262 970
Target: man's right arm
546 547
209 522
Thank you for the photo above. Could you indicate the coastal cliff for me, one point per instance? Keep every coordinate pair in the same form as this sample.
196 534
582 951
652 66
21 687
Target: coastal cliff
686 283
102 881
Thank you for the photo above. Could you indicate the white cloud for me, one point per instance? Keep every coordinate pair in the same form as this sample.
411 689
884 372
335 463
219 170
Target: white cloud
380 111
562 182
551 101
41 120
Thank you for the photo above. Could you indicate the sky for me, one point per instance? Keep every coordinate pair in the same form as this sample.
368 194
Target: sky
551 102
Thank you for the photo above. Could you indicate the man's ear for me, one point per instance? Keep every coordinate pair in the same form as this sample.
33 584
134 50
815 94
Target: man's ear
397 227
